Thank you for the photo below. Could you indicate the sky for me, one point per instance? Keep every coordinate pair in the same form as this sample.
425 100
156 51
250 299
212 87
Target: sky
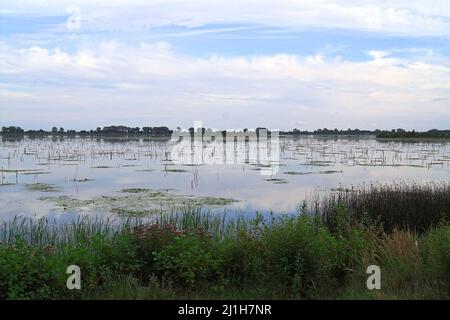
231 64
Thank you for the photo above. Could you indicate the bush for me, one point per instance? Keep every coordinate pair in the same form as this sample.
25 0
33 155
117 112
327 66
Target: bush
304 256
434 249
108 256
151 238
188 261
290 257
25 272
130 288
243 259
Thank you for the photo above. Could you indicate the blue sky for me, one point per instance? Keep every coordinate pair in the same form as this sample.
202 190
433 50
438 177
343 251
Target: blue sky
230 64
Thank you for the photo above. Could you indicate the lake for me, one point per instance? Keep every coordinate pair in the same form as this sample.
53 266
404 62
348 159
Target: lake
65 177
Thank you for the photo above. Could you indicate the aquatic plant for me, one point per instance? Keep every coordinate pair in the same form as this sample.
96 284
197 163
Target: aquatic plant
416 206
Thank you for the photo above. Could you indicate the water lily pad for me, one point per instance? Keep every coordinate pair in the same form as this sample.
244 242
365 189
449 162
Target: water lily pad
42 187
137 202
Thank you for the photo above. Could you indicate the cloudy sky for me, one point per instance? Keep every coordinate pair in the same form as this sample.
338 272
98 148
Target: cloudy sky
232 64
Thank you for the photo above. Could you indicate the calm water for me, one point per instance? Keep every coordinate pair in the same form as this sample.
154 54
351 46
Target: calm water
48 176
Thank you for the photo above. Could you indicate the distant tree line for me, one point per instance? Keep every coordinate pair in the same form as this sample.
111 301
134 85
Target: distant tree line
401 133
394 133
165 132
105 131
326 131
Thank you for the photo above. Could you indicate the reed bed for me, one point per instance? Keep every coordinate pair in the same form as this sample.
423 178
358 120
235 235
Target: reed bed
416 206
194 253
46 231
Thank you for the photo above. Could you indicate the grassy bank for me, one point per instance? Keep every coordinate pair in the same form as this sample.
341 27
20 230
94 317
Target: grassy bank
319 253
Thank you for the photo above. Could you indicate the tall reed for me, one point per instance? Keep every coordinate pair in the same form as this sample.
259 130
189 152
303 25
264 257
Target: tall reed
416 206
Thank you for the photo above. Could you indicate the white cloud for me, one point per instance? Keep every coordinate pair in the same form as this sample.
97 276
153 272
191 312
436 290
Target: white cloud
151 84
413 17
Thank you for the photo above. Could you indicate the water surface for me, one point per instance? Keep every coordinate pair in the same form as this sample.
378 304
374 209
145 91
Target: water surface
64 177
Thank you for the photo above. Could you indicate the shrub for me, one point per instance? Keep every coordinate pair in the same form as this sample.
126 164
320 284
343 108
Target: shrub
24 272
188 261
130 288
300 255
243 259
434 249
412 266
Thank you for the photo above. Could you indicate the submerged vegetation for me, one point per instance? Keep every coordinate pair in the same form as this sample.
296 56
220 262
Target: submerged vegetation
277 180
42 187
133 201
320 252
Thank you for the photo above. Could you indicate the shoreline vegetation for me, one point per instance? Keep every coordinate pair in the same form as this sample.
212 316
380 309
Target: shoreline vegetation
321 252
163 131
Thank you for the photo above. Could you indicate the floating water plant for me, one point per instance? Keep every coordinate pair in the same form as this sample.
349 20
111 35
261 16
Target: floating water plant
137 202
175 170
277 180
42 187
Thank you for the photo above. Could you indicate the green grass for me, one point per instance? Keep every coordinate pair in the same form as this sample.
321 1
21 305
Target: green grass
189 252
196 254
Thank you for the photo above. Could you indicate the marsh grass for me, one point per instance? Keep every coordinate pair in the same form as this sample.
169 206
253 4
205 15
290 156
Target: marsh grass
416 206
197 255
45 231
191 252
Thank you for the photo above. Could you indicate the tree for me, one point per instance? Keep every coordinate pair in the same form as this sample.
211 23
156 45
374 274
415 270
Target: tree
54 130
12 130
147 130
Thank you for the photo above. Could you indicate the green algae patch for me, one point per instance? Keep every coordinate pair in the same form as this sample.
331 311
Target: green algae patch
20 170
36 172
42 187
144 170
134 213
137 202
214 201
330 172
277 180
135 190
299 173
83 180
175 170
